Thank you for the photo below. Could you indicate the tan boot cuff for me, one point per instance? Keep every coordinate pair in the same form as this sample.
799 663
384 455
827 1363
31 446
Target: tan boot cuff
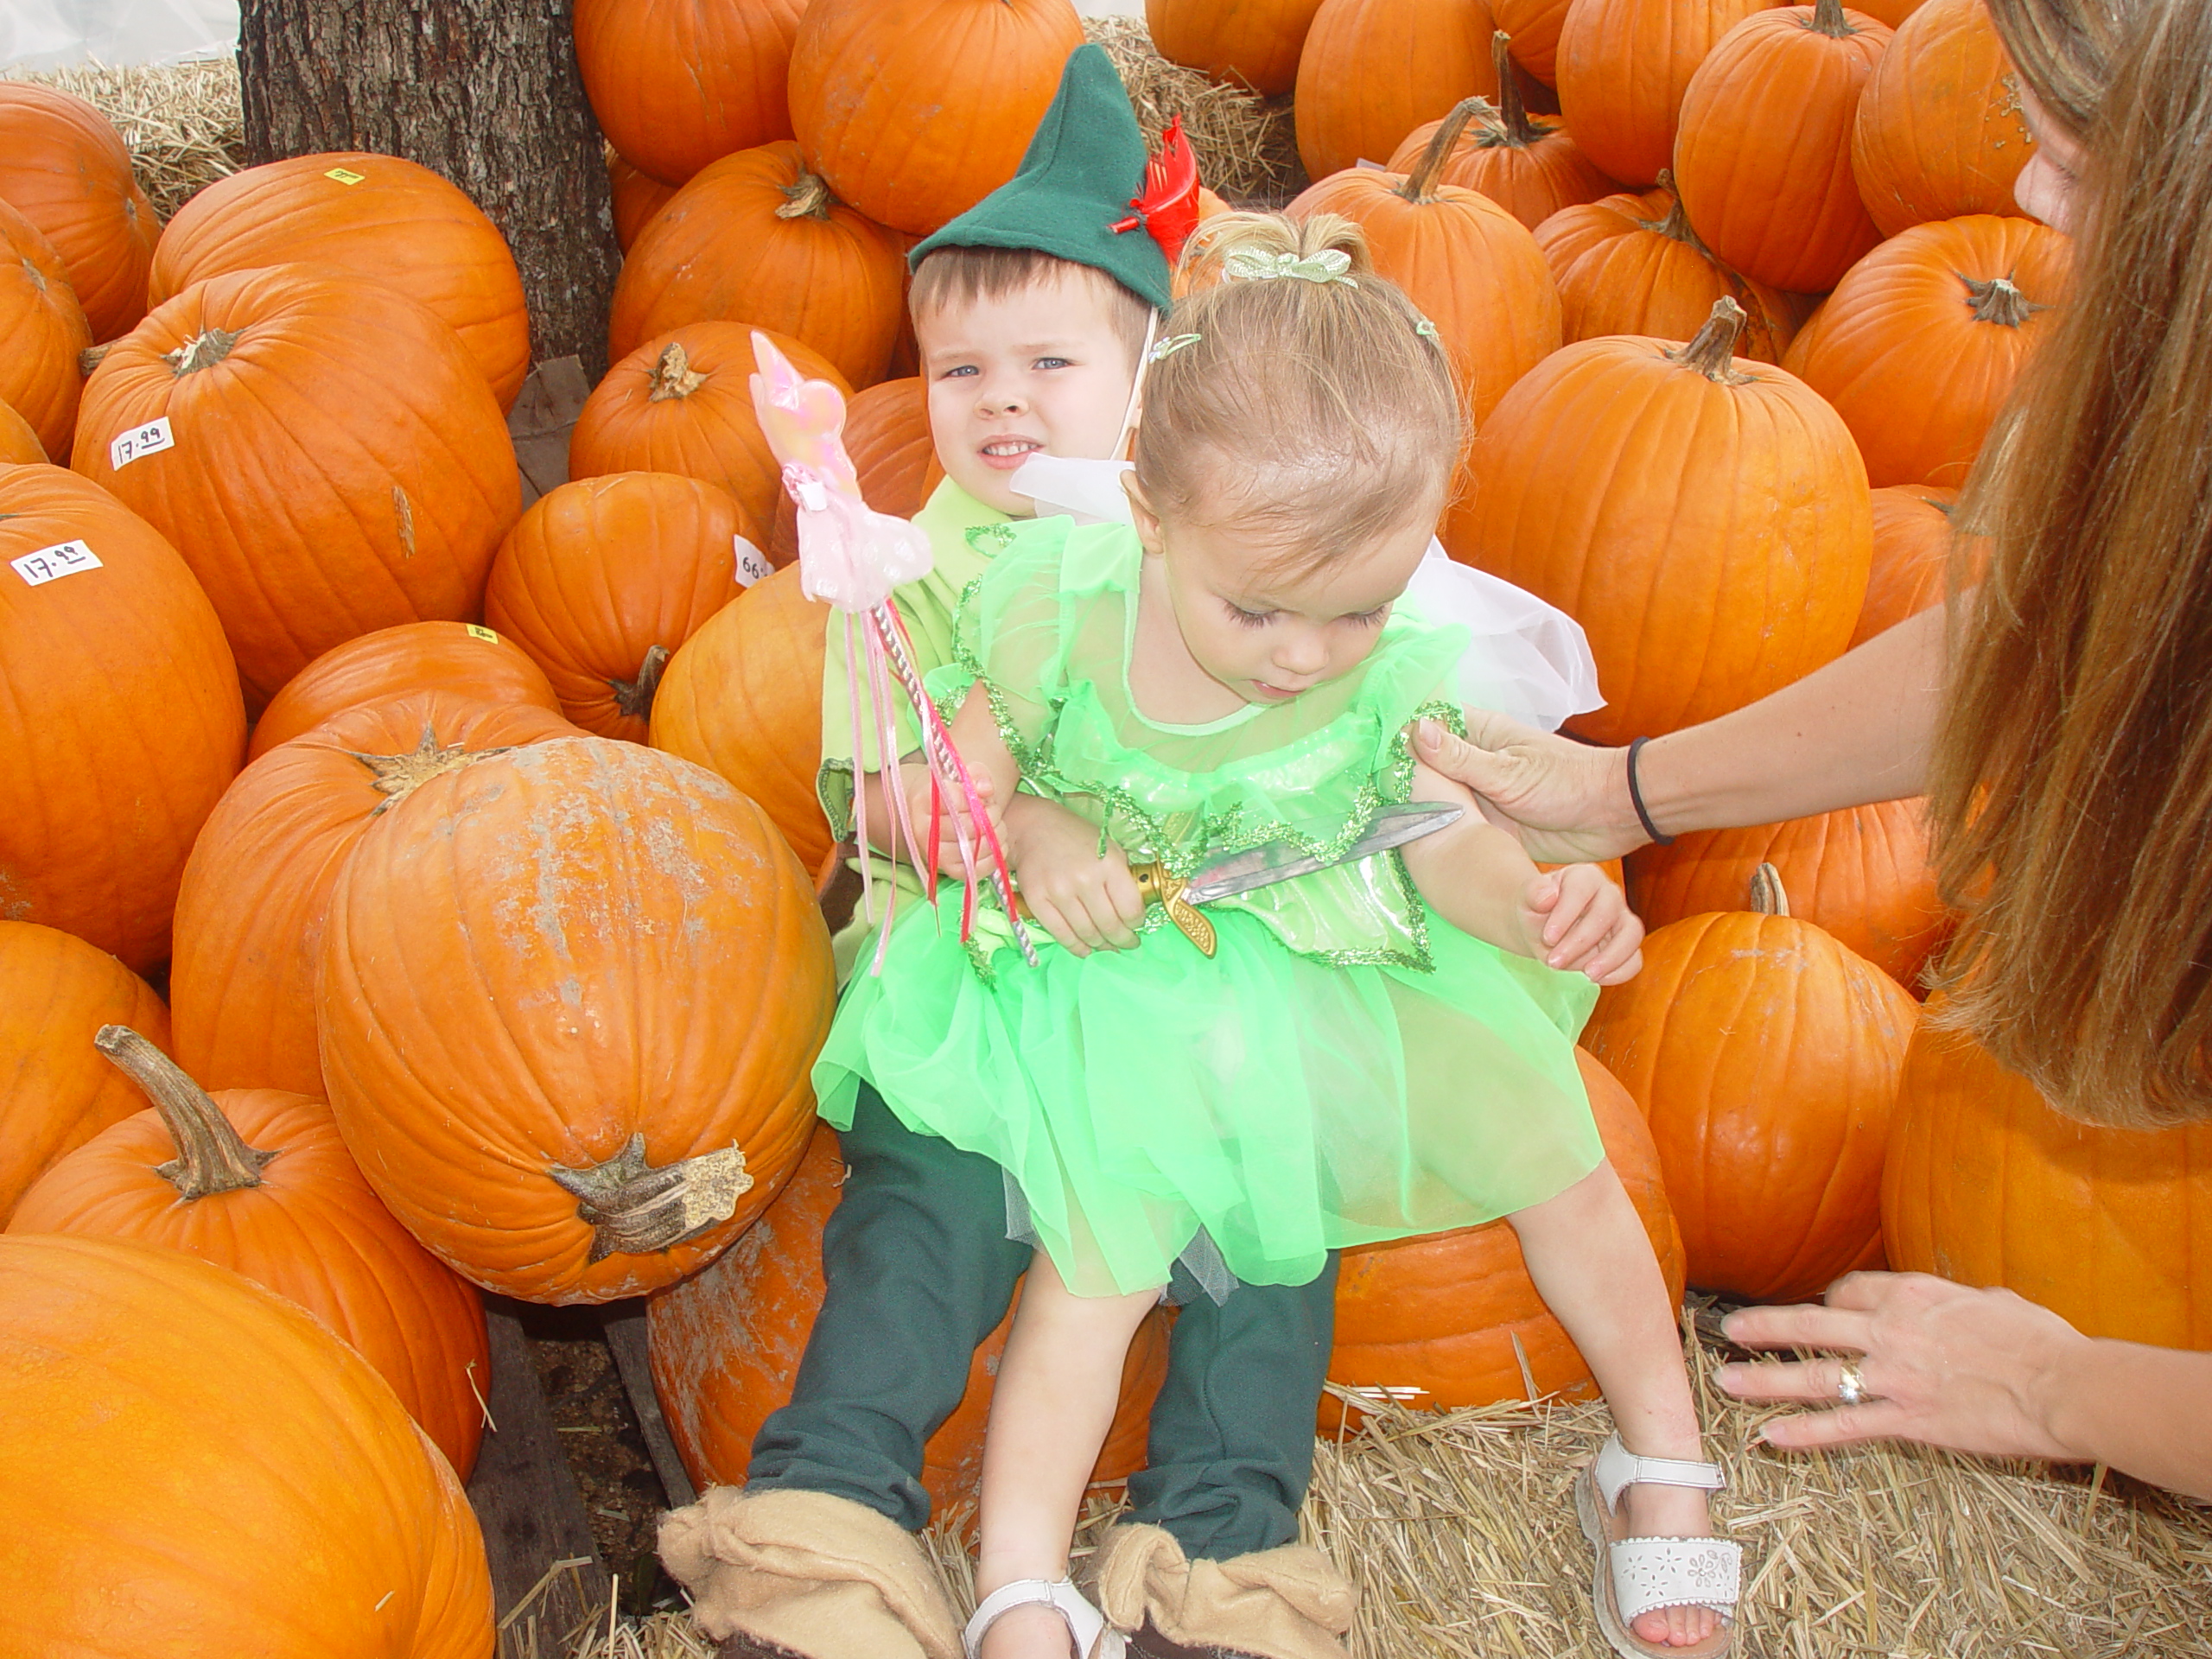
1289 1603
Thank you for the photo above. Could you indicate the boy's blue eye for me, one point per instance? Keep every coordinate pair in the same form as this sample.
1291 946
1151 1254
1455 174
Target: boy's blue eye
962 368
1052 363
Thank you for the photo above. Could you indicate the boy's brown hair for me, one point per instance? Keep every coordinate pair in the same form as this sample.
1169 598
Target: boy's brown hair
962 276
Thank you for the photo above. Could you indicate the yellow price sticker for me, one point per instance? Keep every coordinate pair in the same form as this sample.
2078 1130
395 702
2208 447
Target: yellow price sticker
475 632
344 176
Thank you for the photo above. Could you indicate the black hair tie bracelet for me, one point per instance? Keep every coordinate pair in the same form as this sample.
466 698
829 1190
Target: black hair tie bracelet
1636 797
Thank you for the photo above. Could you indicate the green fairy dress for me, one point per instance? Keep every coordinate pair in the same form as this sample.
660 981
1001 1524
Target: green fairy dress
1347 1068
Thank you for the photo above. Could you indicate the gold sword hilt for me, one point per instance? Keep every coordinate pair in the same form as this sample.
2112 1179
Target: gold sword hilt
1160 885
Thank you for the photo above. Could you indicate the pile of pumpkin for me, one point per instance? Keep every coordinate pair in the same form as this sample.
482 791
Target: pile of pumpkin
497 945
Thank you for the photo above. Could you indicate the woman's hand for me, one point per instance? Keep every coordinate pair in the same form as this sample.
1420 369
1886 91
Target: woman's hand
1086 902
1576 918
1568 802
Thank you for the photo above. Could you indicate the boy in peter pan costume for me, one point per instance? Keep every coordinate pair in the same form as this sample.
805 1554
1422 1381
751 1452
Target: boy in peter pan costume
1032 312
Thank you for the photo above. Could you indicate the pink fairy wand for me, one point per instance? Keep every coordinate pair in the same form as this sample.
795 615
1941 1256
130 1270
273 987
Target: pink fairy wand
852 557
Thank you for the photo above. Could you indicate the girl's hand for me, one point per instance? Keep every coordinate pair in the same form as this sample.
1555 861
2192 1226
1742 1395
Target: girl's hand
1086 902
1575 917
954 818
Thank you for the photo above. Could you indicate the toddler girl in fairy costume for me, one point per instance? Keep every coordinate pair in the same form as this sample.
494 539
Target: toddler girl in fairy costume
1380 1049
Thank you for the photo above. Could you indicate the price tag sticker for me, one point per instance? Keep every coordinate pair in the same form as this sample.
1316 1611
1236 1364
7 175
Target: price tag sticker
478 631
141 440
751 562
344 176
52 563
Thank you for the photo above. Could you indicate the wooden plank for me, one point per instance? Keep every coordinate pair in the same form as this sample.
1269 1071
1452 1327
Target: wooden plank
625 1324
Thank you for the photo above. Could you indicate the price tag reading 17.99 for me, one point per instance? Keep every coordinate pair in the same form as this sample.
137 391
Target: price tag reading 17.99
52 563
141 440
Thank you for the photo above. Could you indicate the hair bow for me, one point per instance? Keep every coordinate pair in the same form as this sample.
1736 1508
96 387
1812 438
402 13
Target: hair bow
1170 345
1249 264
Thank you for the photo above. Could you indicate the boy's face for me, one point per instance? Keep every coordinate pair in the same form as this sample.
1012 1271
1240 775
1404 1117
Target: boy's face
1039 370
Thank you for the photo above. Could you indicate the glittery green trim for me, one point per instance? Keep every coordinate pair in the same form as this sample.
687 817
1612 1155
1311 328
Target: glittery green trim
989 540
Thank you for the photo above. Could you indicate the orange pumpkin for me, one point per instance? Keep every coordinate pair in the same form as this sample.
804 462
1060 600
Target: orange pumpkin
56 1091
339 463
916 110
1255 41
1623 66
1703 516
1987 1184
726 1345
682 402
638 197
258 1182
1861 874
120 721
1630 264
249 915
19 445
1763 155
1373 70
1939 132
1531 168
1912 556
65 168
744 699
45 329
603 579
266 1479
1920 344
1448 1320
563 1120
1468 263
378 217
677 84
754 237
465 658
887 435
1534 26
1891 12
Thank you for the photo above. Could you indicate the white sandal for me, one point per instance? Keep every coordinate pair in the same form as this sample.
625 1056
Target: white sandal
1633 1576
1093 1636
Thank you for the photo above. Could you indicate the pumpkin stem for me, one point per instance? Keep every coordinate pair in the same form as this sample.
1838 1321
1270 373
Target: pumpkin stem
806 197
200 352
1713 351
397 776
1419 185
636 697
92 357
211 1156
1768 897
1518 131
633 1208
1828 19
673 376
1998 300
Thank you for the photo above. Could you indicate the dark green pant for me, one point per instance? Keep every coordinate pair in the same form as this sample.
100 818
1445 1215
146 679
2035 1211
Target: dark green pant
920 1271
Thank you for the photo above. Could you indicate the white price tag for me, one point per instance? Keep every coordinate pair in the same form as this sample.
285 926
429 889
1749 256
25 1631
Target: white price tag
751 562
148 440
52 563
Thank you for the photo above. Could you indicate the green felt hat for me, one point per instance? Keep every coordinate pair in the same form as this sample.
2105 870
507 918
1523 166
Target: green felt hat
1083 169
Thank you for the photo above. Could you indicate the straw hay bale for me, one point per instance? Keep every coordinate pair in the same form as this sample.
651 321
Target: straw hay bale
1247 151
181 121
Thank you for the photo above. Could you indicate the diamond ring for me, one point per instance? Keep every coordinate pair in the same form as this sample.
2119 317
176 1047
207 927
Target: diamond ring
1850 1383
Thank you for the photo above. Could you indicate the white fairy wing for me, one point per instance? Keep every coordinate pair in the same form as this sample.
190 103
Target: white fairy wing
1524 658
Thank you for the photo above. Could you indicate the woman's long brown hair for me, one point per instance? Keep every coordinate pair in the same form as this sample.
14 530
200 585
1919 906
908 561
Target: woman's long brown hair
2071 787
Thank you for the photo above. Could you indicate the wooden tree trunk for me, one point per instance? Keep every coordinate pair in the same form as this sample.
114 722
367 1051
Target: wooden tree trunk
483 92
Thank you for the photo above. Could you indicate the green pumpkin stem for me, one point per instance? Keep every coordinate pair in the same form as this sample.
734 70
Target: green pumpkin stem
1514 129
1421 183
1713 354
211 1155
635 698
1768 896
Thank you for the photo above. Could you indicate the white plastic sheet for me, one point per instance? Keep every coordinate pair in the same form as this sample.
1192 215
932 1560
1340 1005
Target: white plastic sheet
55 34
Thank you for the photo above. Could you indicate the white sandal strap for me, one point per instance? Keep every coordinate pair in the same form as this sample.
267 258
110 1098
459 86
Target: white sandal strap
1094 1638
1619 1468
1650 1573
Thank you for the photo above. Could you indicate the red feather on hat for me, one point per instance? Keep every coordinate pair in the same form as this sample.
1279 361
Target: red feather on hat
1168 208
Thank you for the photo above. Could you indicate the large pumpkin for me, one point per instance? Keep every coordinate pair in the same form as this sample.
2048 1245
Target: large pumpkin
916 110
249 915
1449 1320
120 721
568 1001
1531 167
726 1343
1534 26
19 444
56 1091
1862 874
1765 1057
1468 263
638 197
196 1465
1939 132
1920 344
65 168
1912 556
888 435
683 404
677 84
45 329
465 658
257 1181
337 464
378 217
1987 1184
743 698
1255 41
1374 70
1763 155
602 580
1623 66
755 238
1703 516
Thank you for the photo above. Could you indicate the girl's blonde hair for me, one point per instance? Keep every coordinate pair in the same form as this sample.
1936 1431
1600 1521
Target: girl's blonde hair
1320 414
2071 787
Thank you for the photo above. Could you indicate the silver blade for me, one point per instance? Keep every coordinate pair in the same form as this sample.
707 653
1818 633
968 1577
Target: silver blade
1279 861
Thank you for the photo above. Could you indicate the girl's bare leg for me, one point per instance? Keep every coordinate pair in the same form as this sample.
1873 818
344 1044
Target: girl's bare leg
1058 1385
1592 1263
